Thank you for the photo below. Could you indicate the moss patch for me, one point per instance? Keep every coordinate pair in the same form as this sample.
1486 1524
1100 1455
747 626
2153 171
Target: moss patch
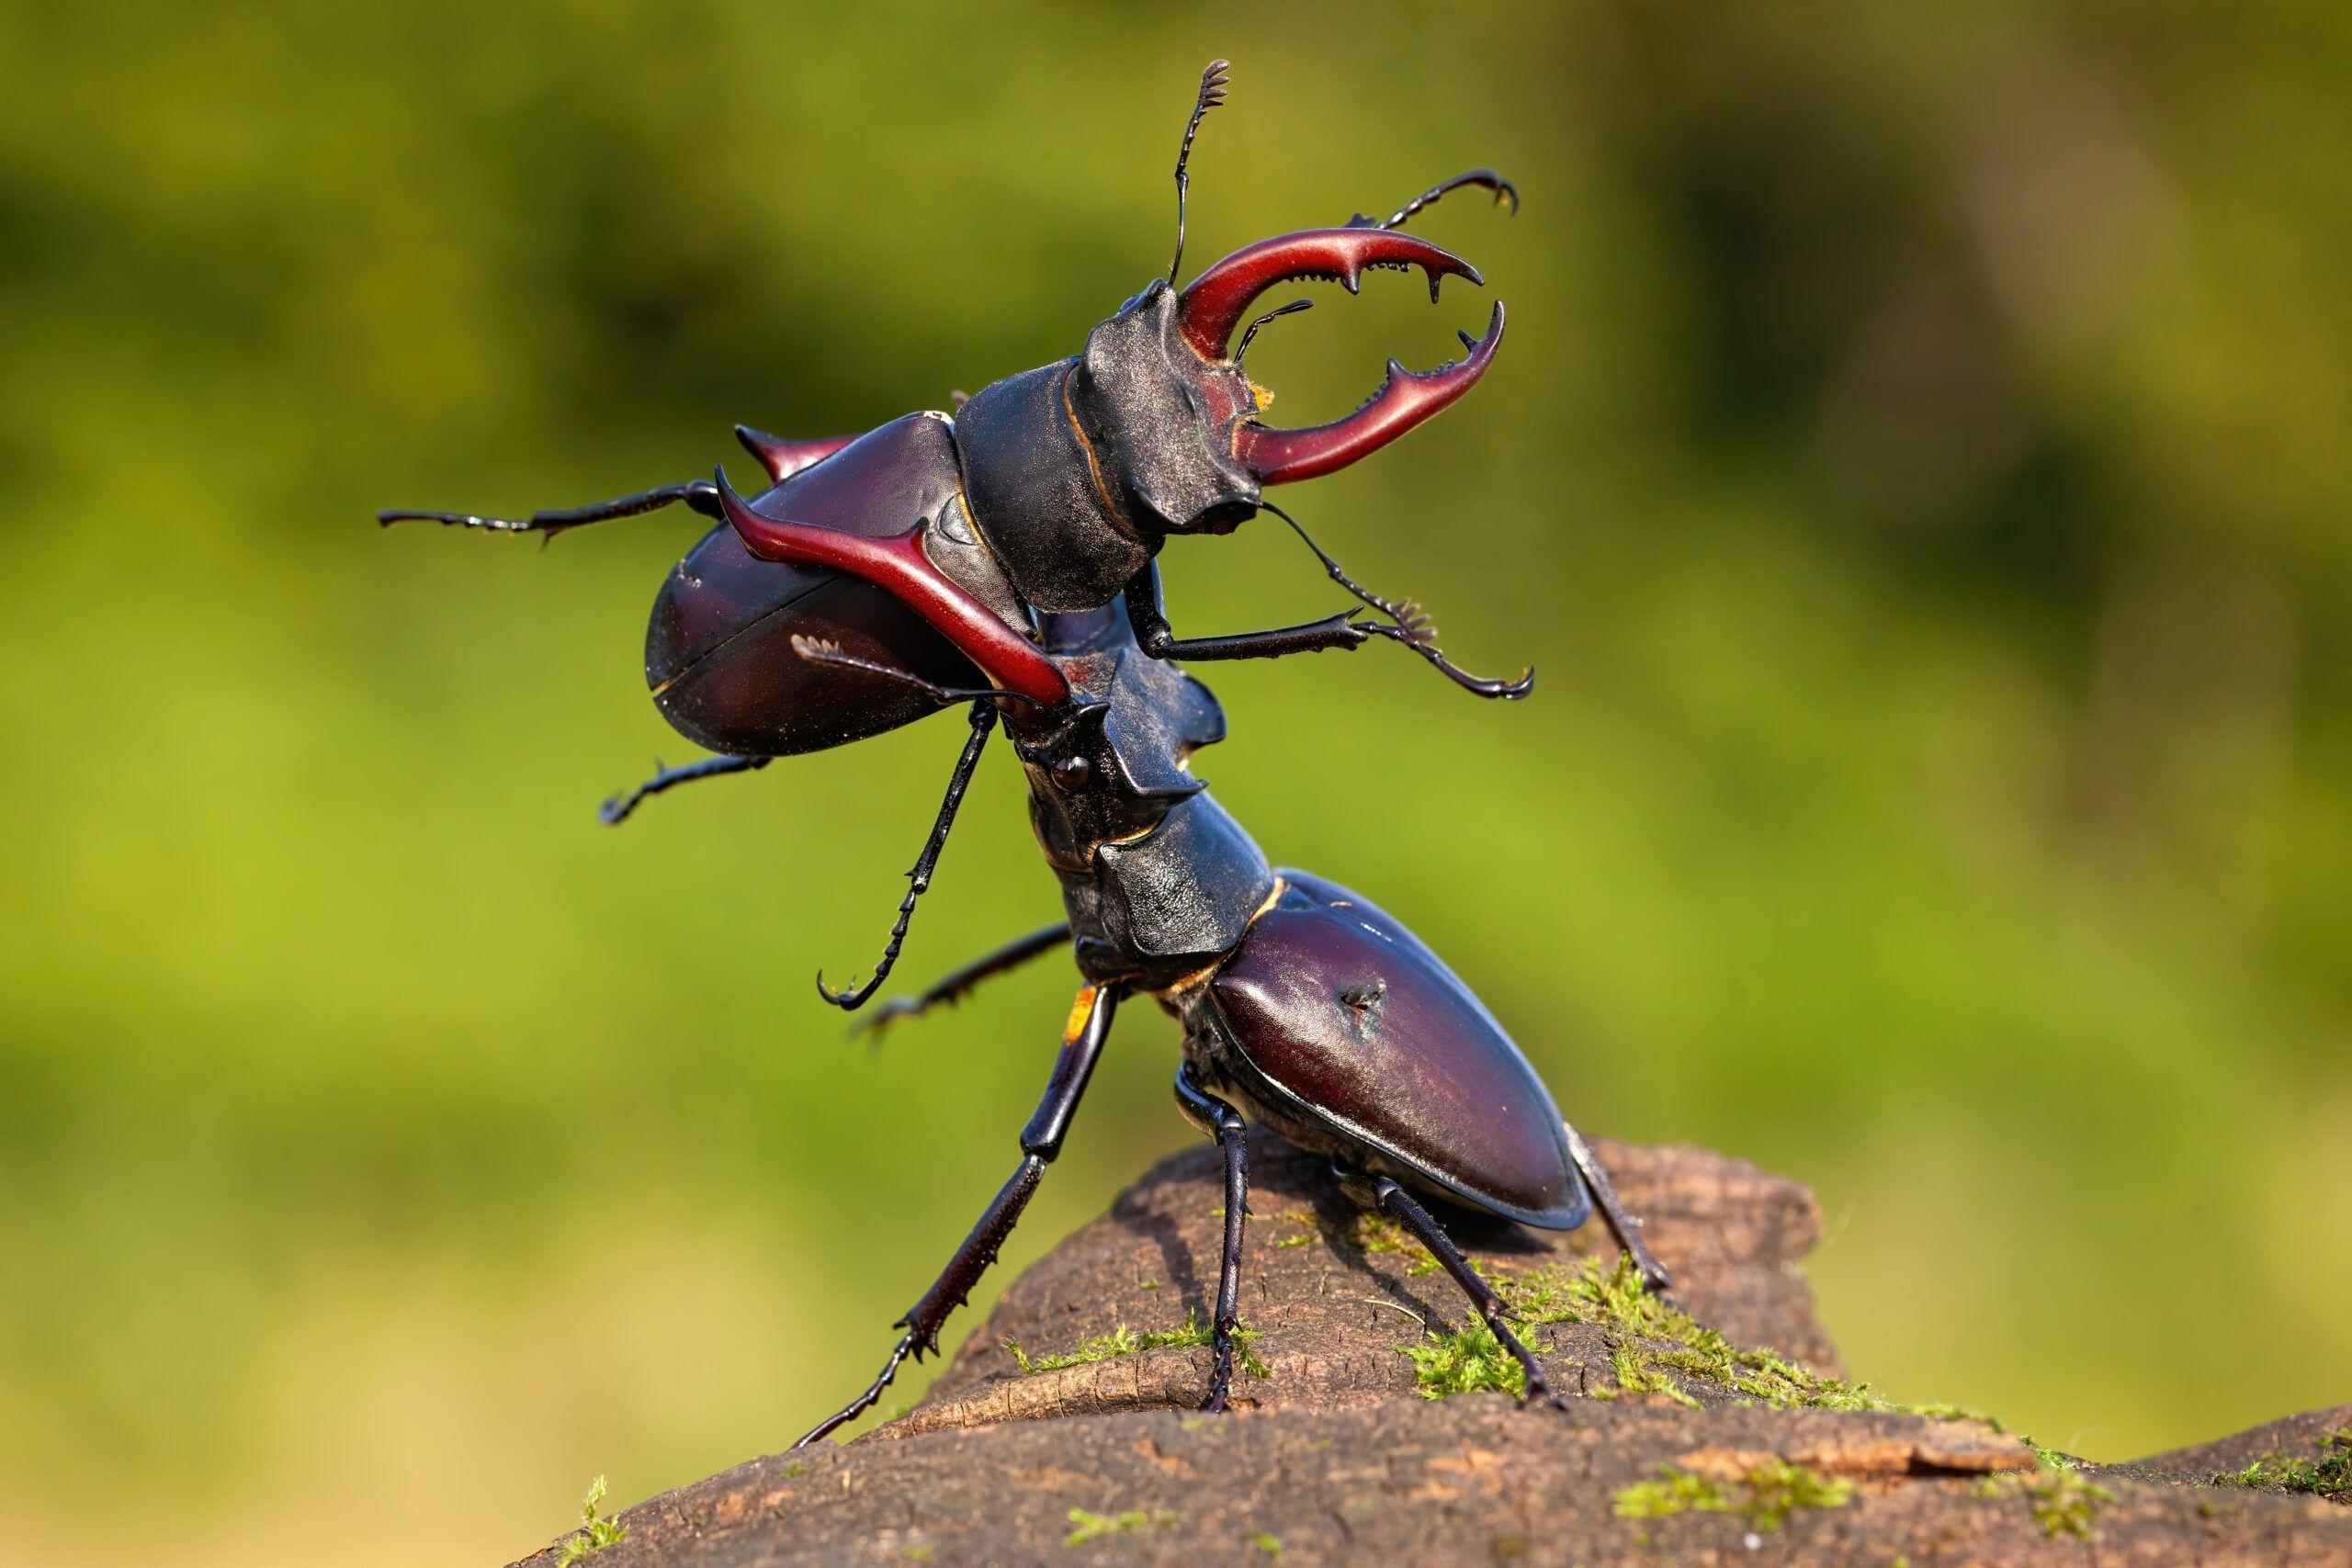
594 1533
1124 1341
1767 1494
1465 1362
2065 1501
1094 1526
1674 1492
1379 1233
2327 1475
1655 1345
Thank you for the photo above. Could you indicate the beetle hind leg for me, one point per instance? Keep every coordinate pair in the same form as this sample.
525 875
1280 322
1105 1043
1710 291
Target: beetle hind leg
1223 1123
1627 1228
1394 1201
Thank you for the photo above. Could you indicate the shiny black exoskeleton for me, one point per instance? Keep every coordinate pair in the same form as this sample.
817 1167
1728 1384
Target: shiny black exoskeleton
1004 556
1305 1008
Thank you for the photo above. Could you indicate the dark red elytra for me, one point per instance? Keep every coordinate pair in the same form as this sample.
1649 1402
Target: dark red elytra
1359 1030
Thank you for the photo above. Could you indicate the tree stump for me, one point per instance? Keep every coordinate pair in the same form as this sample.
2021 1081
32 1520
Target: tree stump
1065 1431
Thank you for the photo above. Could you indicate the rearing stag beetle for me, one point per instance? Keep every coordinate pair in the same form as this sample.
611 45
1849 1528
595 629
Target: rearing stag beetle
1004 557
932 544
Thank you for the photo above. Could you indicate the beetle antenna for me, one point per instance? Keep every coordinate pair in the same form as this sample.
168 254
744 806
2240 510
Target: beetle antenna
1213 83
918 878
1252 329
1412 626
817 650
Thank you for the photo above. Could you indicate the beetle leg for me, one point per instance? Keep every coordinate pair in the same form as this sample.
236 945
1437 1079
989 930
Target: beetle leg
699 494
918 877
1041 1140
1147 615
1624 1227
1394 1200
1223 1123
616 810
1412 628
1506 197
951 987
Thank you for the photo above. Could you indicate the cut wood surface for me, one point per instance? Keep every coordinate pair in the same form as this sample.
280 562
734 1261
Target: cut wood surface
1715 1429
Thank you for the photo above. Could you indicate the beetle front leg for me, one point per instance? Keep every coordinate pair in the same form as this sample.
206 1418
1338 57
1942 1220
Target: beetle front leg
698 495
1409 624
984 717
1147 616
1041 1140
952 986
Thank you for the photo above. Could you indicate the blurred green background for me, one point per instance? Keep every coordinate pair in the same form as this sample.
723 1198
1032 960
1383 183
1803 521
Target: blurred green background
1918 467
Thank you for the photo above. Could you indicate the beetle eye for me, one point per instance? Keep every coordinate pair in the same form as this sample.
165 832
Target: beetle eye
1072 773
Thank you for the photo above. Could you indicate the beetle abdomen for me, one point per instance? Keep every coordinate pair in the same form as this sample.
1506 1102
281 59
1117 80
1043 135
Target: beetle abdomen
1344 1027
719 653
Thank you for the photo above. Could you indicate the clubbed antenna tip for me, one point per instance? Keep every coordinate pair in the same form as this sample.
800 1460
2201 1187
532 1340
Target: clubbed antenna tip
1215 78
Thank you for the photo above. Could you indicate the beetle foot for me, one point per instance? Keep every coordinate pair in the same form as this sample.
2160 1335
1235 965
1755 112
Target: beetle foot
883 1016
1221 1376
1541 1392
1410 628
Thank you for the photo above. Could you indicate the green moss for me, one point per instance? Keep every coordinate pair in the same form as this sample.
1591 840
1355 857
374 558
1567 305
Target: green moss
1777 1488
1094 1526
1464 1362
795 1469
1267 1544
1654 1346
1379 1233
2329 1475
594 1533
1674 1492
1124 1341
1766 1496
2067 1503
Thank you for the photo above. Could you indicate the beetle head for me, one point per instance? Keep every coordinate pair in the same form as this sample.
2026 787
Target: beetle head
1171 419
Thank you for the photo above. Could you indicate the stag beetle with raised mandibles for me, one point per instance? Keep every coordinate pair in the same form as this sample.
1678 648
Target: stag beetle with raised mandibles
933 544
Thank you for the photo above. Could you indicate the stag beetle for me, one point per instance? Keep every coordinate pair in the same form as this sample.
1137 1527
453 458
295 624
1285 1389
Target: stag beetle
933 544
1304 1006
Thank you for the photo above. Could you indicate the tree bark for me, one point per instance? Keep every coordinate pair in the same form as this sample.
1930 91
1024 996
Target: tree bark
1333 1455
